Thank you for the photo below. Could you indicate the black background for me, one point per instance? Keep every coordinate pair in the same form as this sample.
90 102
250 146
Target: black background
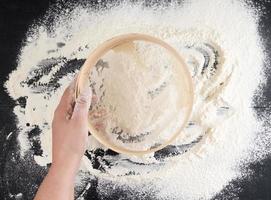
15 18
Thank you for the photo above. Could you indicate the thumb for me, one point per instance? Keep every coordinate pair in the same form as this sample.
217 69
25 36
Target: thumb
82 104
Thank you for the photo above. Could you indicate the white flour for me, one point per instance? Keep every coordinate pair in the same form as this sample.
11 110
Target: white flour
141 99
221 45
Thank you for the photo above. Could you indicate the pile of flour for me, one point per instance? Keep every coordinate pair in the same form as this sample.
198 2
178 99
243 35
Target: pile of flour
220 43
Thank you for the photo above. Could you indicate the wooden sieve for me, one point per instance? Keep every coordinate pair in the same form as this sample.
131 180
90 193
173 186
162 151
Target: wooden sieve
96 54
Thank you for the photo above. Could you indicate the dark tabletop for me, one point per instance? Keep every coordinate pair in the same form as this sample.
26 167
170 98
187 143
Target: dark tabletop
17 175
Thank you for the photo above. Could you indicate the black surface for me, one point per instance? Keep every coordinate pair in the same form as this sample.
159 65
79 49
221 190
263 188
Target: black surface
15 18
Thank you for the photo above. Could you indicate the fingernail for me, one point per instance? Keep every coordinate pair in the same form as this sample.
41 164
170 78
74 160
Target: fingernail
86 94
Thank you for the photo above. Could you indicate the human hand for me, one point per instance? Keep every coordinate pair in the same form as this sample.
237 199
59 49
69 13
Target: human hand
70 132
70 129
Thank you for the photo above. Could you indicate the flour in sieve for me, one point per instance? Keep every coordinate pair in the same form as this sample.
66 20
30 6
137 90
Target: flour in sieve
142 97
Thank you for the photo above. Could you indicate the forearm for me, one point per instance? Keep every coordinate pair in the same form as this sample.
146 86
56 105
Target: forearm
58 184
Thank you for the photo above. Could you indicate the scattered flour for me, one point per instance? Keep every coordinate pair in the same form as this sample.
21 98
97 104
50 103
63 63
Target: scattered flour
221 45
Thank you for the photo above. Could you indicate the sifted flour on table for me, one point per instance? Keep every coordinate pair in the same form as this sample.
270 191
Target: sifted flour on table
220 43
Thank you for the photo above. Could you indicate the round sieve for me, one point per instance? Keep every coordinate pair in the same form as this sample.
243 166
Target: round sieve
144 93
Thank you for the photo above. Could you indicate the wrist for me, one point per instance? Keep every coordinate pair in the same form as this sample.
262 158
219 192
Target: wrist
66 165
63 171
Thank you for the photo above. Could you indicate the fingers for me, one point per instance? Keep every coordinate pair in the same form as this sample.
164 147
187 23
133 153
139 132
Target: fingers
98 118
67 100
82 104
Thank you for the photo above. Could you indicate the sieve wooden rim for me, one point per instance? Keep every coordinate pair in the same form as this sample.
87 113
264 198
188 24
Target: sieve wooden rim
97 53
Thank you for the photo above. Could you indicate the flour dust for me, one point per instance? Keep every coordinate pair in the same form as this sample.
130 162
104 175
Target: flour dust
220 43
